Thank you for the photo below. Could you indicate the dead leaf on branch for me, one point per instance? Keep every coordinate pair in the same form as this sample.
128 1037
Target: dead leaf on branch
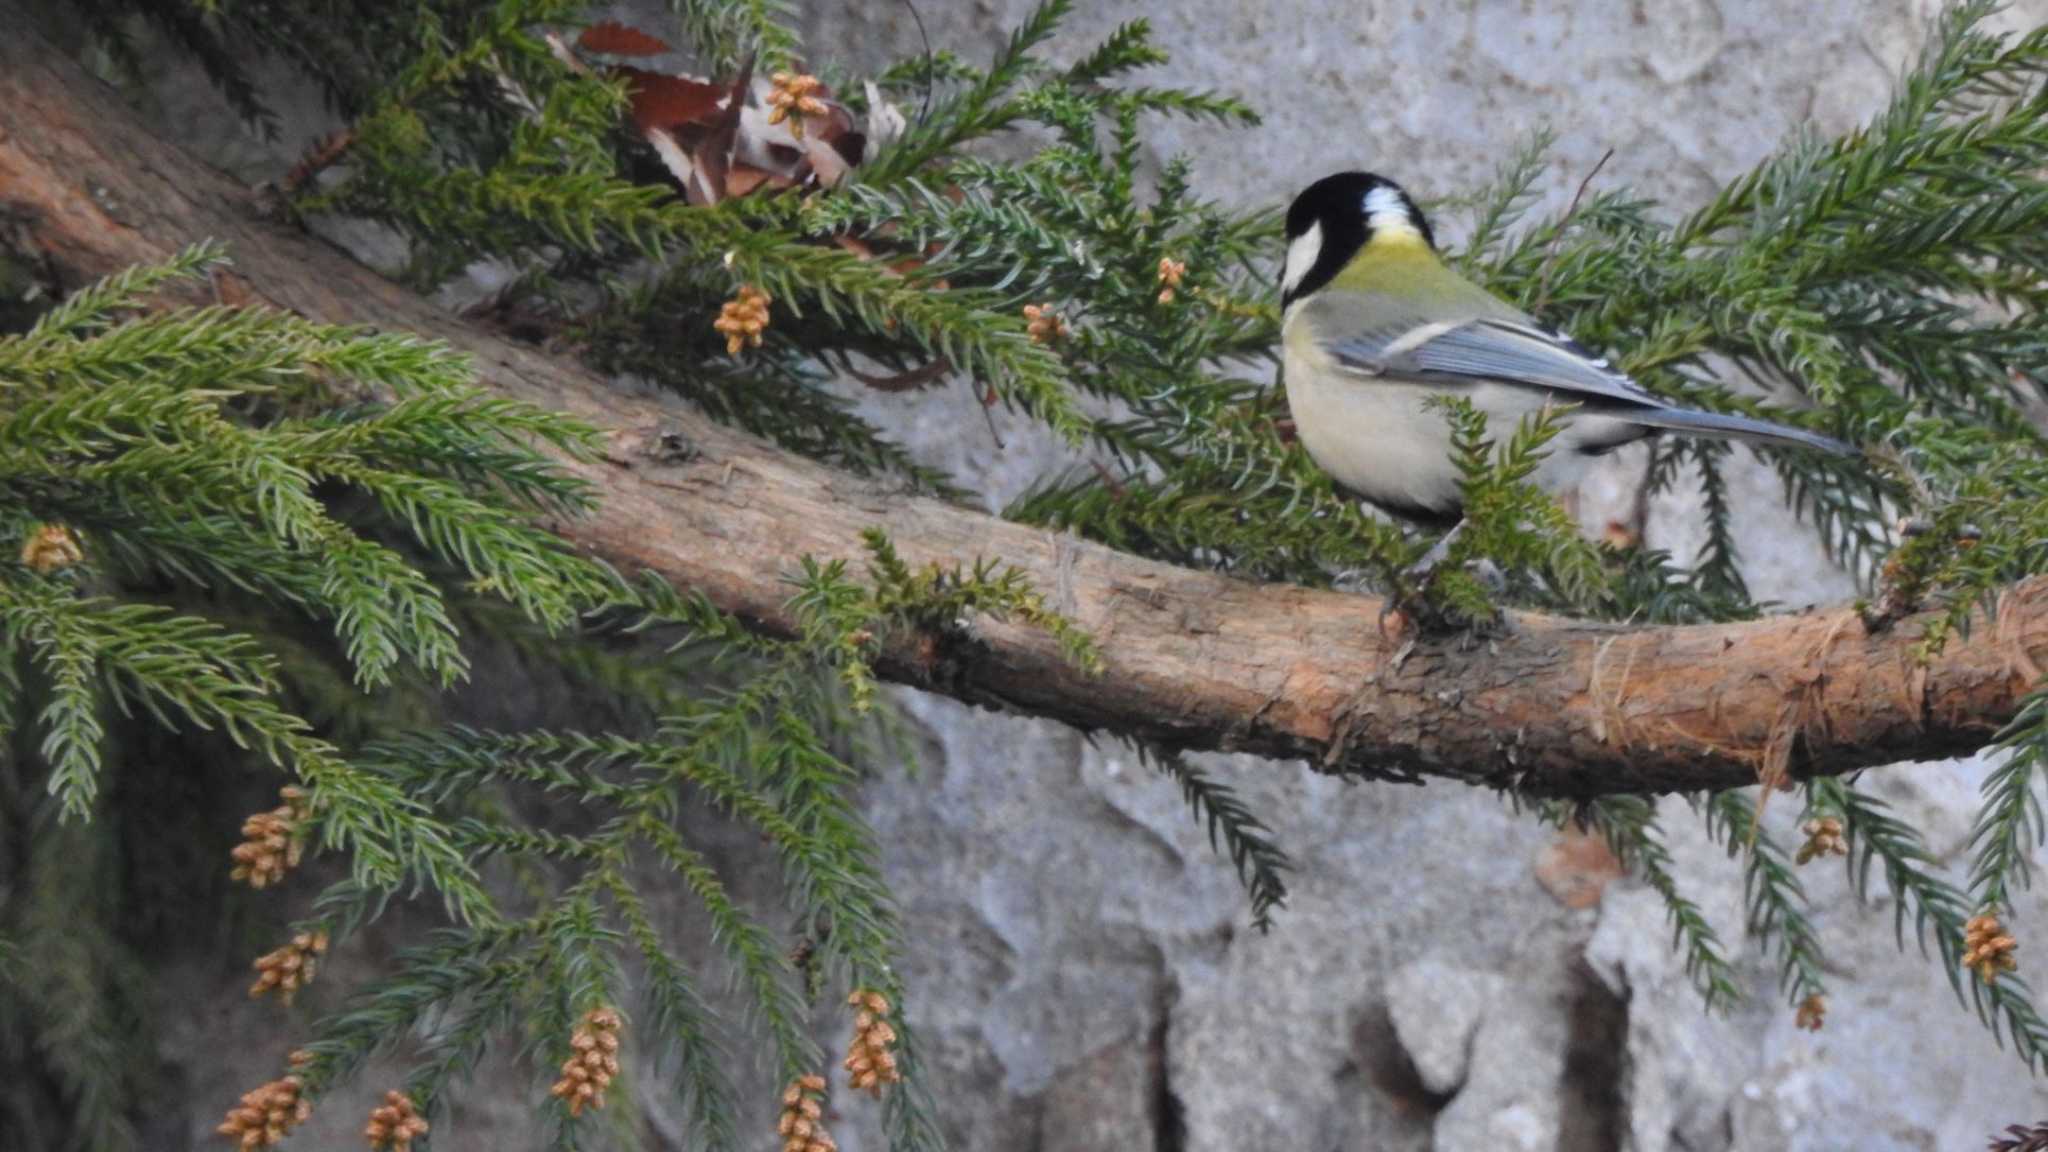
712 152
611 38
659 100
1577 867
719 141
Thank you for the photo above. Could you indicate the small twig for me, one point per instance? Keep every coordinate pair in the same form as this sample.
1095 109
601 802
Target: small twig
1109 480
931 64
921 377
988 401
1573 208
1550 250
318 159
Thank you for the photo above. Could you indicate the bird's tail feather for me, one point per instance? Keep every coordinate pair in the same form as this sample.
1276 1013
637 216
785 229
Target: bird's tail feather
1699 423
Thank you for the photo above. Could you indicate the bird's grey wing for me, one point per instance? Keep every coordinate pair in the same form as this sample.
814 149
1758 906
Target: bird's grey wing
1489 348
1510 351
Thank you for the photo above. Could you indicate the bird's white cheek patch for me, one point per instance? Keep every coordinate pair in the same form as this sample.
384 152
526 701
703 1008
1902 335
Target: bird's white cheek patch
1301 256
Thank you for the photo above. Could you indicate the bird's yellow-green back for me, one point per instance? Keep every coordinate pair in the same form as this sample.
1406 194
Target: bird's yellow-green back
1400 264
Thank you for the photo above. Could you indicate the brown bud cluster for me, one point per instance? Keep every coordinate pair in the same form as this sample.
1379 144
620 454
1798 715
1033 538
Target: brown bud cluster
50 548
1813 1012
802 1126
792 99
1170 273
587 1073
1045 325
270 844
265 1116
291 967
1987 949
870 1058
743 319
1823 838
394 1124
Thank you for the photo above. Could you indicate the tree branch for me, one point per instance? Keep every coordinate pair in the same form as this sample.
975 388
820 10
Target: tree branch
1194 660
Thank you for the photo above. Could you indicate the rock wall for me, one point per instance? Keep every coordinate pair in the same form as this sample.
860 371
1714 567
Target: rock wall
1082 973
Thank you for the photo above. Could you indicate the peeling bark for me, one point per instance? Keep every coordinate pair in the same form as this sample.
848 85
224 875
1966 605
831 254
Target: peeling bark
1194 660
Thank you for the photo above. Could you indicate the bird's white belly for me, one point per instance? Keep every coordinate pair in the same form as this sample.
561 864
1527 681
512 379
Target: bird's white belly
1376 436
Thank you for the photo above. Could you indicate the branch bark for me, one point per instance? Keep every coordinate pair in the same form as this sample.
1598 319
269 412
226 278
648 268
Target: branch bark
1194 660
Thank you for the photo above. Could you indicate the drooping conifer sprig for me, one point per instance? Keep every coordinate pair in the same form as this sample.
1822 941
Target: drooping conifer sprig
187 445
1252 849
2021 1138
73 986
1940 910
209 509
454 473
2010 826
1776 904
1629 825
759 750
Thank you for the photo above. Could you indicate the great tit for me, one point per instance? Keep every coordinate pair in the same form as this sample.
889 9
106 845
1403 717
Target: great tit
1375 323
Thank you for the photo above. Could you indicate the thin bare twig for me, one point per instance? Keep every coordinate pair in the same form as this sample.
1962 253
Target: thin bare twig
1550 250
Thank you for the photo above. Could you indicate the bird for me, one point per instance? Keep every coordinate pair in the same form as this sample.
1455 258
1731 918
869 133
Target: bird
1374 324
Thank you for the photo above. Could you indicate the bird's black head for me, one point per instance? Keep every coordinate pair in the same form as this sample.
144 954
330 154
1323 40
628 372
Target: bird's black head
1336 216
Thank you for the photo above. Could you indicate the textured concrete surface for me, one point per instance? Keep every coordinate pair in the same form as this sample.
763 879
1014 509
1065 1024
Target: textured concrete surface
1081 973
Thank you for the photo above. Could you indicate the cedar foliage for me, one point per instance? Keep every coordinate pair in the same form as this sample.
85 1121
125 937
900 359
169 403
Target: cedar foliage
291 538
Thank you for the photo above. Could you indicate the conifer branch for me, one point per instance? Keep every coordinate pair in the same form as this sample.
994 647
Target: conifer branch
1259 860
1939 909
2010 825
1776 901
725 521
1629 825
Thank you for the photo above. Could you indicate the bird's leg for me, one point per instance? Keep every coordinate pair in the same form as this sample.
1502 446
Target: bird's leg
1408 601
1419 574
1411 604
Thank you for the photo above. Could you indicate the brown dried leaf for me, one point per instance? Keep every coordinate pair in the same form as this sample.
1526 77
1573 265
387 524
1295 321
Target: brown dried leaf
614 39
714 153
825 161
745 179
1576 868
853 146
897 264
663 101
855 245
831 143
831 124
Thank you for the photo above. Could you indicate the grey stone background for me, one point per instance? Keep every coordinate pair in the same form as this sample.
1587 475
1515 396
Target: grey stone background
1082 974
